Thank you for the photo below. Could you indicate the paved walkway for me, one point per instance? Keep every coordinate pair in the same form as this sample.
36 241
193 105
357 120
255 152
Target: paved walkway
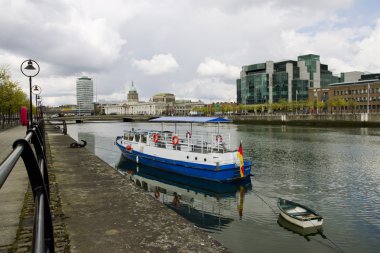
99 209
13 191
106 212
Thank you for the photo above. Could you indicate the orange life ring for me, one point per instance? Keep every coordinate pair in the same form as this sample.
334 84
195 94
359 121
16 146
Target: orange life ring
128 148
219 138
188 135
155 138
175 140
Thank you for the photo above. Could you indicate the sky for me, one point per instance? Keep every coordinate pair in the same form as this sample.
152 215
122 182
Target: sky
192 48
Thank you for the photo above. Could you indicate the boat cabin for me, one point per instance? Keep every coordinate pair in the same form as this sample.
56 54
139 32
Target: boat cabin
184 141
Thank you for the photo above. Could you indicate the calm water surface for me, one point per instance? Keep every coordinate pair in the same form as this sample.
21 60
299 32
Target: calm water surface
334 171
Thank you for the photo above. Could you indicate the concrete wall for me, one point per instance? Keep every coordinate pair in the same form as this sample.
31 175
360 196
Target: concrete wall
313 119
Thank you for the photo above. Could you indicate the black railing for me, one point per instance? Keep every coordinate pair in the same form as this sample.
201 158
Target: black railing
36 166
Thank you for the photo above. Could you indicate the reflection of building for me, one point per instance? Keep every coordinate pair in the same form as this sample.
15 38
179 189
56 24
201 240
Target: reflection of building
85 95
160 104
290 80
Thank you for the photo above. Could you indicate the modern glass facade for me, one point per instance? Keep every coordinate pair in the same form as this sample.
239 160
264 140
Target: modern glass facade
290 80
85 95
253 88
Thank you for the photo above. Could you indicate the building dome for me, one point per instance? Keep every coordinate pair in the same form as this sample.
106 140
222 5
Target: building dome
133 88
133 96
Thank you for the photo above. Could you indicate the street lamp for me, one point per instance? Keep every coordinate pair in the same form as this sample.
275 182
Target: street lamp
368 100
30 71
296 102
316 95
36 91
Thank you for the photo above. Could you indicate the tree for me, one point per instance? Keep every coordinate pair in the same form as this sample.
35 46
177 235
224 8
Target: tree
321 105
352 104
11 97
341 103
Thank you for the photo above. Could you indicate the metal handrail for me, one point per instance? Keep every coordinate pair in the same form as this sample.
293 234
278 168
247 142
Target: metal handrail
36 166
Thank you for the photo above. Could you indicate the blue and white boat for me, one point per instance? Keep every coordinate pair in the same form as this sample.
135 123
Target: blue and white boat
207 156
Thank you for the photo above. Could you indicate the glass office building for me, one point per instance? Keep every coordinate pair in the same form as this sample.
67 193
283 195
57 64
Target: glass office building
85 95
290 80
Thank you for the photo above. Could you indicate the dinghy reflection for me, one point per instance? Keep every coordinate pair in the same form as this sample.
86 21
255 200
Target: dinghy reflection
208 205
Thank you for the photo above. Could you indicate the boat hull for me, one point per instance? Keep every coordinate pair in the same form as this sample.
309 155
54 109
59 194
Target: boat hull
298 214
303 224
227 172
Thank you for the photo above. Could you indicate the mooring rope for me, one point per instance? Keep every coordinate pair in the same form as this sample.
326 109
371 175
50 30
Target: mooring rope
263 200
324 236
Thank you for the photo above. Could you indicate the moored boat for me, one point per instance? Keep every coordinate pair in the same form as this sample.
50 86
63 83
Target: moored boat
200 155
298 214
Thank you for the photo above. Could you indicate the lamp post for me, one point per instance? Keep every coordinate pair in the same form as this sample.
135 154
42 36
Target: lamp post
36 91
368 100
296 101
316 95
39 104
30 71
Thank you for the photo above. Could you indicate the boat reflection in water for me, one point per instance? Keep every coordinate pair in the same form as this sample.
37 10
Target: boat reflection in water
305 232
208 205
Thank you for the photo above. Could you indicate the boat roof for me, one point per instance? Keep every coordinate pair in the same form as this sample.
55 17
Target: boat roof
192 119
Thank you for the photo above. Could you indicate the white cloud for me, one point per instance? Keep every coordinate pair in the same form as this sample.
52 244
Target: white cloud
120 42
159 64
59 100
206 89
369 51
211 67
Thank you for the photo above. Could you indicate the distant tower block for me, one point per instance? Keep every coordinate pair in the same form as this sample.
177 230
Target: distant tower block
85 95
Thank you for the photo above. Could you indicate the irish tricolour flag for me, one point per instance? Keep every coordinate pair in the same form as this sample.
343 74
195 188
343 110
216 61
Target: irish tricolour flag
241 159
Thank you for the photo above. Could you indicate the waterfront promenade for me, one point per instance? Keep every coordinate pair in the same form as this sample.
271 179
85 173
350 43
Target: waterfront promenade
96 209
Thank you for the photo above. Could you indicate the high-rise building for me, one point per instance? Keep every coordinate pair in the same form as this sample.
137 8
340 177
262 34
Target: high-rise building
85 95
290 80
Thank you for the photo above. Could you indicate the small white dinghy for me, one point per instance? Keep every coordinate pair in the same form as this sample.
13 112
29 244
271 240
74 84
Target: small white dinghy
298 214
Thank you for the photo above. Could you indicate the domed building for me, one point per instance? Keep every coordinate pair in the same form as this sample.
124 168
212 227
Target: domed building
133 96
164 97
159 104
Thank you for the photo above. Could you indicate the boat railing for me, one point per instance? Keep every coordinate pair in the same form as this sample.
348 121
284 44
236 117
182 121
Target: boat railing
185 141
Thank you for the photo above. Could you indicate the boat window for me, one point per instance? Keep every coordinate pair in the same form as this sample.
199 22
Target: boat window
130 137
125 136
143 138
137 138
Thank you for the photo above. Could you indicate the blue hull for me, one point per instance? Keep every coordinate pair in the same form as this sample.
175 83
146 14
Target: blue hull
228 172
211 188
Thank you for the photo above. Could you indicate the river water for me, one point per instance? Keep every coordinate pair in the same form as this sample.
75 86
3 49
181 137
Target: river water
335 171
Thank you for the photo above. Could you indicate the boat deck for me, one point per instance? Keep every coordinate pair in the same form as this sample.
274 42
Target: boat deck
197 143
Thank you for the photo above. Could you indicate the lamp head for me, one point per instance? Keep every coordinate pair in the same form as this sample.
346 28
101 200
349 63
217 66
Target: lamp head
30 65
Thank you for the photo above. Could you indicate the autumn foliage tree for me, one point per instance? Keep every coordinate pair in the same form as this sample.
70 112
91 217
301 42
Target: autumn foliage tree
11 98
